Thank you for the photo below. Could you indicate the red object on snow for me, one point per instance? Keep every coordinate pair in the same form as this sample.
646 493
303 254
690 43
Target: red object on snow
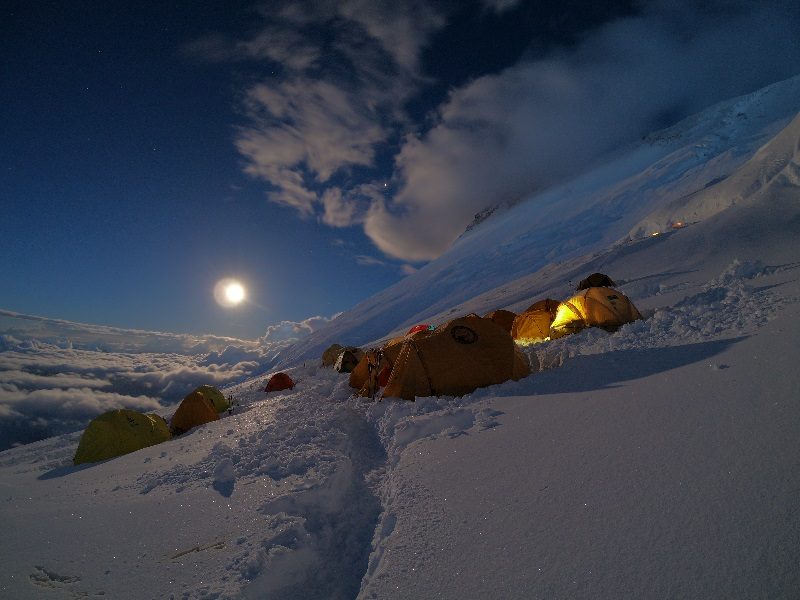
420 327
278 382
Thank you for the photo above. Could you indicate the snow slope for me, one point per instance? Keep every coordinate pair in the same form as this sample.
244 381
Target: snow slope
658 462
622 198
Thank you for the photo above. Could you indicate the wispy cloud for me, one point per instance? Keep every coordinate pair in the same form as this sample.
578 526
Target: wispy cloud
17 327
500 5
332 100
369 261
294 330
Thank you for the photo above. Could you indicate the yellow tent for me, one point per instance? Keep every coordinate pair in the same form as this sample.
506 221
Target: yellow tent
119 432
217 399
193 410
455 359
601 307
533 325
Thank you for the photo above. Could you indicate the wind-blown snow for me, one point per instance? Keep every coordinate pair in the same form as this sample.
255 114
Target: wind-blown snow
660 461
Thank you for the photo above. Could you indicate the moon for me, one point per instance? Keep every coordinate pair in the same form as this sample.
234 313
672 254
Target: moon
234 292
229 292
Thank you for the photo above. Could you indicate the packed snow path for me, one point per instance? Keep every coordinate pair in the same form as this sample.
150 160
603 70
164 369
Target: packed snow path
274 499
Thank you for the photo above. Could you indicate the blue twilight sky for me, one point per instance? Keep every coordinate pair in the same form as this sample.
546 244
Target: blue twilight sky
318 151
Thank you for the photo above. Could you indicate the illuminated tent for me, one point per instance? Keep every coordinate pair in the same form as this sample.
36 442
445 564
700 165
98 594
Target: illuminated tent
119 432
455 359
217 399
331 354
348 359
195 409
278 382
533 324
593 307
504 318
596 280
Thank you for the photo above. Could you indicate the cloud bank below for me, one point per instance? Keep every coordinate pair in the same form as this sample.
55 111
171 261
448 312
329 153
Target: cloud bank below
57 375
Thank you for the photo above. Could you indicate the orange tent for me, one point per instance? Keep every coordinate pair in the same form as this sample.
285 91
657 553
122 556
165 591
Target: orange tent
420 327
375 367
504 318
193 410
278 382
533 325
455 359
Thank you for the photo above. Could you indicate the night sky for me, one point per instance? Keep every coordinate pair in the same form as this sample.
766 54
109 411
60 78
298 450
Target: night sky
318 152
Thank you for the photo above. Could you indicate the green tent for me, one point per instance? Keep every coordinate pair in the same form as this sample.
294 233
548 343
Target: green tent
119 432
331 354
348 359
214 396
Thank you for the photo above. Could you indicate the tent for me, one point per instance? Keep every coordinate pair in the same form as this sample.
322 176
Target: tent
504 318
119 432
455 359
373 370
601 307
348 359
420 327
217 399
533 325
193 410
331 354
278 382
596 280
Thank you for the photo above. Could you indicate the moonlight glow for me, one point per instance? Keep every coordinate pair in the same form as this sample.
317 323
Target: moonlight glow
234 293
229 293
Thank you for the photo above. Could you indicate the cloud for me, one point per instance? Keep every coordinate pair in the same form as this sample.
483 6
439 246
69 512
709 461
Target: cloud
55 376
294 330
402 28
30 330
306 131
500 6
544 119
337 211
369 261
69 404
332 100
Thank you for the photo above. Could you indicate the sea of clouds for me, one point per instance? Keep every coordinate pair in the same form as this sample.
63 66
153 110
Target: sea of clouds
55 376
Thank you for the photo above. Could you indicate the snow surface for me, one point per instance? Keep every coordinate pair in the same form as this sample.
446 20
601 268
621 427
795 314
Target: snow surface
660 461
